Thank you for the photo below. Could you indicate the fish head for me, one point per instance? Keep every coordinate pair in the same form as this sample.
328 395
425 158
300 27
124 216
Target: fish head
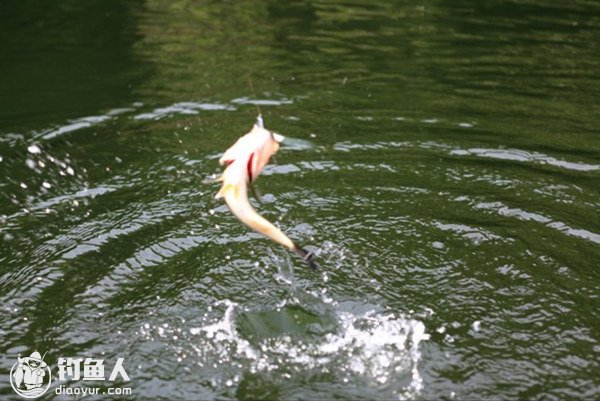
253 150
267 144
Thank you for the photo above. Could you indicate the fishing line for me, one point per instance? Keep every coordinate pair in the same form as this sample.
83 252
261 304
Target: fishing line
254 94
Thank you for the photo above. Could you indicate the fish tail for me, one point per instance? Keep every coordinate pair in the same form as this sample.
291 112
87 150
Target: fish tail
308 257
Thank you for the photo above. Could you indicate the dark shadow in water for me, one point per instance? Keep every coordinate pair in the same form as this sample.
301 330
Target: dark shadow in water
64 59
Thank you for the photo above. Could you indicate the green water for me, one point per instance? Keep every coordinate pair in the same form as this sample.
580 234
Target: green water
443 161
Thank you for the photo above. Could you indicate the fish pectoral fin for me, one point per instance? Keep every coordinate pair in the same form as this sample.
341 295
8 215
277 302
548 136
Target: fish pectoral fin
255 193
227 189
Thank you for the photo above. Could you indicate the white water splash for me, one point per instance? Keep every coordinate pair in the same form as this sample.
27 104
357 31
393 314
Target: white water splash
379 347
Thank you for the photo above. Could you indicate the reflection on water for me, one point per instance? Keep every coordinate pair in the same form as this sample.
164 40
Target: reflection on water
442 160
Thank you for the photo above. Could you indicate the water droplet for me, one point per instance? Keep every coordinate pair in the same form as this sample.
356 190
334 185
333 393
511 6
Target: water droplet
211 211
118 159
30 163
34 149
41 164
46 185
476 325
23 185
70 171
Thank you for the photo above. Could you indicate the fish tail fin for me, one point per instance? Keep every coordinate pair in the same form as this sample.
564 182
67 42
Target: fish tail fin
308 257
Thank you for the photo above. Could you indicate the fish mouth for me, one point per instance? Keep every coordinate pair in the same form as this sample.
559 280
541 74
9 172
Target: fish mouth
278 137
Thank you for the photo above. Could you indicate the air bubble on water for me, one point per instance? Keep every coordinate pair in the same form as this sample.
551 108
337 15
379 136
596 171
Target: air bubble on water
46 185
476 325
217 226
34 149
1 158
211 211
23 185
70 171
41 164
30 163
118 159
441 329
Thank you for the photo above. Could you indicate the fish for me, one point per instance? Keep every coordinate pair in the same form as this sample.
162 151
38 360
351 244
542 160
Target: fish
244 162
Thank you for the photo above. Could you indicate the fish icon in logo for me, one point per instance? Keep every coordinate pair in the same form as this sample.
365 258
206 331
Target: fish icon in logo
30 376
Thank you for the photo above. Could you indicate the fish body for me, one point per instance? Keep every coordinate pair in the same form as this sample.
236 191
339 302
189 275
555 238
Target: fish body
244 161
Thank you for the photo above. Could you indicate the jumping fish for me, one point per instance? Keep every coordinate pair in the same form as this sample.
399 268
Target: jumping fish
244 161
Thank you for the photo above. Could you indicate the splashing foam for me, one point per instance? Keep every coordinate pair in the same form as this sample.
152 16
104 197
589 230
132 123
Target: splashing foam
374 346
